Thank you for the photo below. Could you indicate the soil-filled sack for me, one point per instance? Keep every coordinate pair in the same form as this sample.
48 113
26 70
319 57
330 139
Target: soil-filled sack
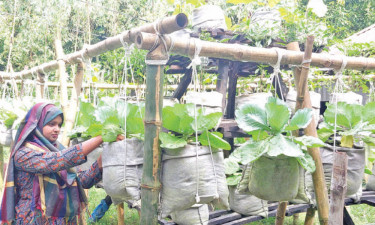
196 215
355 171
188 179
371 180
5 136
271 178
248 205
122 169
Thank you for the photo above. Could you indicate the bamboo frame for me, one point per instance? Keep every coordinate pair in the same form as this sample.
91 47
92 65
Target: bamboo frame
166 25
237 52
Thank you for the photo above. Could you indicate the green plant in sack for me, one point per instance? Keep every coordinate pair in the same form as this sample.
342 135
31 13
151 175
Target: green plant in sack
272 154
180 121
109 118
354 123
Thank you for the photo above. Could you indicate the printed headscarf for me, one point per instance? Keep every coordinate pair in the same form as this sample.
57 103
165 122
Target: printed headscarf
47 188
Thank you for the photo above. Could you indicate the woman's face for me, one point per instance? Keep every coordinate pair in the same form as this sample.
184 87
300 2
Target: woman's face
52 129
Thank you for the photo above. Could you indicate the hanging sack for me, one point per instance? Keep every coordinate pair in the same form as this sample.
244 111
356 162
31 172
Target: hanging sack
211 101
184 175
122 169
271 178
196 215
5 136
349 97
355 171
370 186
208 17
254 98
248 205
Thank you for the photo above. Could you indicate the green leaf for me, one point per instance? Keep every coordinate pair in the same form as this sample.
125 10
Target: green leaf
196 3
273 3
281 145
207 122
251 151
251 117
309 141
368 171
277 115
231 166
111 129
307 162
234 179
104 112
214 140
258 135
94 130
171 142
324 133
368 140
177 118
301 119
240 1
368 113
347 115
347 141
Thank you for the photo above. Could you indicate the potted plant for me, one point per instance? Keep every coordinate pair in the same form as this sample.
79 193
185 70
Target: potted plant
354 124
192 160
272 155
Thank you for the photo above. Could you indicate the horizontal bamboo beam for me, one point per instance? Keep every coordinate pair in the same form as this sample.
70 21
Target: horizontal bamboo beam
164 26
237 52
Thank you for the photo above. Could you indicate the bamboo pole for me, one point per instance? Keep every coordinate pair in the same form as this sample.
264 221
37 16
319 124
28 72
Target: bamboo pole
73 105
304 101
151 185
237 52
166 25
280 214
63 77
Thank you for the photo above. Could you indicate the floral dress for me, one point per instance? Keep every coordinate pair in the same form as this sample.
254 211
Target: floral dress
30 161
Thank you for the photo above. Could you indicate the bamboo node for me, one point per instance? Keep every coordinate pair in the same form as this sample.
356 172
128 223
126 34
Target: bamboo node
151 187
153 122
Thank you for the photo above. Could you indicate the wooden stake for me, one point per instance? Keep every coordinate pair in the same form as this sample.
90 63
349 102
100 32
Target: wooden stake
280 214
338 188
62 74
120 214
310 215
304 101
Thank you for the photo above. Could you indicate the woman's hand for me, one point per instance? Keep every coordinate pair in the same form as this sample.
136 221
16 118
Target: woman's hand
99 160
120 137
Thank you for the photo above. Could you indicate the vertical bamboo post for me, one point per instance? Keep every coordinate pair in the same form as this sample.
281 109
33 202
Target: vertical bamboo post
304 101
150 188
120 214
39 89
338 188
280 214
71 115
62 74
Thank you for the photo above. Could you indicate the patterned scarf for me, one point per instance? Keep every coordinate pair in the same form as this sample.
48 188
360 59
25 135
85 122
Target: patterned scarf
55 194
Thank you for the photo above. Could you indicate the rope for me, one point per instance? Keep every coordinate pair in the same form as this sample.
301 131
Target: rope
372 92
276 71
338 89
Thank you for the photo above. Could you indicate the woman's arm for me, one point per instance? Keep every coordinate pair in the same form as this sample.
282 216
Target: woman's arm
91 144
91 176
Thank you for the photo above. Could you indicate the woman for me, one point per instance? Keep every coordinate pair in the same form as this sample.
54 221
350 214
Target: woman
41 185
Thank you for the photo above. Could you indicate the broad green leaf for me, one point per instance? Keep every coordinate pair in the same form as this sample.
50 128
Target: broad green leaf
171 2
368 140
207 122
94 130
307 162
177 119
324 133
234 179
347 141
171 142
11 117
368 171
252 117
102 113
371 159
301 119
111 129
277 115
231 166
134 126
212 139
251 151
86 108
259 135
347 115
228 22
94 79
368 113
281 145
309 141
196 3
